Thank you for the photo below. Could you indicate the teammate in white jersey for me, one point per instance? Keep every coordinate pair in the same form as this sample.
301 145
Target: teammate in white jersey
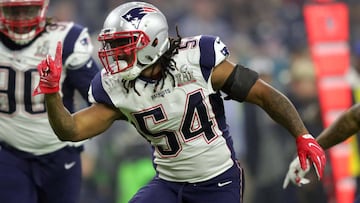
170 90
35 166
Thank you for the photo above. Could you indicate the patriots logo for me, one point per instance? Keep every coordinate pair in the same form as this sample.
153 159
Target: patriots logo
84 41
135 15
225 51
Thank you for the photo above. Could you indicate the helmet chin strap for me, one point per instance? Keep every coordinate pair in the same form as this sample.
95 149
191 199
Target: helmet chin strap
132 72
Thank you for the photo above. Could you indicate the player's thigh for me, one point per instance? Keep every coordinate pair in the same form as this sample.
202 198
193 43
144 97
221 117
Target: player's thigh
227 187
60 179
156 191
16 185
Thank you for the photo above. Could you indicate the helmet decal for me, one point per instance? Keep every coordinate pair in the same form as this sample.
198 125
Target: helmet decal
135 15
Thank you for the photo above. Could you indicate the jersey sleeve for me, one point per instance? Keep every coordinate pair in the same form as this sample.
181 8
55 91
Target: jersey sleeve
79 79
78 63
97 93
77 47
211 52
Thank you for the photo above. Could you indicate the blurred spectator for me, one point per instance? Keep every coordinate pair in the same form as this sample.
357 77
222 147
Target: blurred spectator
266 172
303 93
204 17
64 10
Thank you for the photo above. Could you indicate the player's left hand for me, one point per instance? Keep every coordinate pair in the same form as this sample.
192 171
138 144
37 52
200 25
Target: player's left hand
50 72
307 147
295 174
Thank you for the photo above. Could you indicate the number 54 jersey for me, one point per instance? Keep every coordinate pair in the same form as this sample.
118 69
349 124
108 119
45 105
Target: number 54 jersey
23 118
182 116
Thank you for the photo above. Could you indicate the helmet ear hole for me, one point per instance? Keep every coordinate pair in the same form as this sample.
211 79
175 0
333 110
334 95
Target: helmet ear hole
155 42
149 58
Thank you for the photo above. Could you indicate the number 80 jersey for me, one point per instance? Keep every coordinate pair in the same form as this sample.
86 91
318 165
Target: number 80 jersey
184 123
23 119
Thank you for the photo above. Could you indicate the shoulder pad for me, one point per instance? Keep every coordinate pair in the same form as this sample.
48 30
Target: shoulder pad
210 51
77 47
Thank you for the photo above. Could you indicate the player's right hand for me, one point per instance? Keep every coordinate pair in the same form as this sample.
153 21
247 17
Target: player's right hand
296 174
308 148
50 72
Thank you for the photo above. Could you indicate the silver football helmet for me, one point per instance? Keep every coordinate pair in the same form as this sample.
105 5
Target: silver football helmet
134 36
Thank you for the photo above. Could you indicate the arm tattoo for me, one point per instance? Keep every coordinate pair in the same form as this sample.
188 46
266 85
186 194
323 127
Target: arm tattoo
281 110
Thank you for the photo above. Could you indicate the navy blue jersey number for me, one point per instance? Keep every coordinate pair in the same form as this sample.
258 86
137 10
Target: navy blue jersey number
16 88
196 123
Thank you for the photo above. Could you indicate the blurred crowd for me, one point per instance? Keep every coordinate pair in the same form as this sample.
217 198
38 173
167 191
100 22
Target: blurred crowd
268 36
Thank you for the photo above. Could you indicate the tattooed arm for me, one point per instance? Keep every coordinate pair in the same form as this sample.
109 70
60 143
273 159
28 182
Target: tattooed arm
242 84
346 125
277 106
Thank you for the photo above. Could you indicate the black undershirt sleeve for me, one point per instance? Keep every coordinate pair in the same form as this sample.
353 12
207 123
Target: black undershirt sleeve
239 83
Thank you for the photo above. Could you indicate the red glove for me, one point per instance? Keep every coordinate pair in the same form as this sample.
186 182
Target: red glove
307 147
50 72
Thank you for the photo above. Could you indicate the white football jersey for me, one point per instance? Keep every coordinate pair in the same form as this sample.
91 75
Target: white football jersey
185 124
23 119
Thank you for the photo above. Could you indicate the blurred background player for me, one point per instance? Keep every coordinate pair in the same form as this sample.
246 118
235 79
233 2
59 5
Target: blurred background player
35 166
345 126
170 90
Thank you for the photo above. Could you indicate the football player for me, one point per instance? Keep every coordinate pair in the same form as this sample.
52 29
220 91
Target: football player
169 89
35 166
